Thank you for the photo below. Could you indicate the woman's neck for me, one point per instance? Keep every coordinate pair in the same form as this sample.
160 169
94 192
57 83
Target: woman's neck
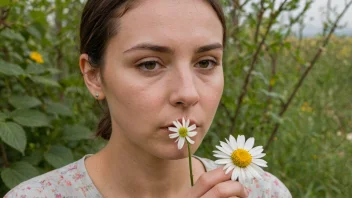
117 170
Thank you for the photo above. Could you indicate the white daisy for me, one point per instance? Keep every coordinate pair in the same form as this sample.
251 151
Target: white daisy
182 132
242 158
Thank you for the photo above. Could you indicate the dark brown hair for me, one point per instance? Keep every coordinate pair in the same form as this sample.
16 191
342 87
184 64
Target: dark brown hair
99 23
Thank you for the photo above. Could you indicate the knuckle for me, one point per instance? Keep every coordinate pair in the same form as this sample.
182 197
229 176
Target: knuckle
204 180
220 191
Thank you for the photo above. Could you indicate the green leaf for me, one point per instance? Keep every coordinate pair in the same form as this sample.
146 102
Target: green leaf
10 69
272 94
30 118
276 118
12 35
35 69
76 132
54 70
16 57
4 2
3 116
75 90
58 156
45 81
32 30
24 102
59 109
38 16
261 76
34 158
13 135
17 173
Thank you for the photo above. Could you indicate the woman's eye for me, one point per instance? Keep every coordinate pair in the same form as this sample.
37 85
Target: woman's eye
206 64
148 65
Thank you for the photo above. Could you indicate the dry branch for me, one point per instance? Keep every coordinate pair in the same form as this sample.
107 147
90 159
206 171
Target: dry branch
273 17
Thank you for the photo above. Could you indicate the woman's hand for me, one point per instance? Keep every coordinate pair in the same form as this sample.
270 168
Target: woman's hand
217 184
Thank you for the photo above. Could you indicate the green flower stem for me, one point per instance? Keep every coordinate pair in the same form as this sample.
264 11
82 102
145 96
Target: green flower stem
190 163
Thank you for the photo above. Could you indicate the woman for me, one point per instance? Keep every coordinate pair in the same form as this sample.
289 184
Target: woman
152 62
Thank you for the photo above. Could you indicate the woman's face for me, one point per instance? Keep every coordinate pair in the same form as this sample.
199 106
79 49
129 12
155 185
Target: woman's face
164 64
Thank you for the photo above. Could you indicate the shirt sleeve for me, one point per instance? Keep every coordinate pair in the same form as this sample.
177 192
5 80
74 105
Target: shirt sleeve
30 190
267 187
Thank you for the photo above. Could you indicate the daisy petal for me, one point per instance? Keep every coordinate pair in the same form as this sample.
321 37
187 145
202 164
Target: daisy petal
235 173
260 162
240 141
220 153
223 150
187 122
227 166
248 173
183 122
242 176
226 147
177 124
259 155
173 129
259 170
189 140
256 150
222 156
230 168
192 134
177 139
223 161
233 143
174 135
191 128
249 144
227 141
253 172
180 143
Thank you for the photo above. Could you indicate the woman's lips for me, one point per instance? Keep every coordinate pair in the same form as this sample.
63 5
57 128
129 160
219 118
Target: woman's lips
191 122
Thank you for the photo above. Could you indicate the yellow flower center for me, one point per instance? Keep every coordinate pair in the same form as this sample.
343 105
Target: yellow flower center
241 158
183 132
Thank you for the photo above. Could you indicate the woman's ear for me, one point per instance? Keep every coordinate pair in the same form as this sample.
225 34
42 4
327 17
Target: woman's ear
91 77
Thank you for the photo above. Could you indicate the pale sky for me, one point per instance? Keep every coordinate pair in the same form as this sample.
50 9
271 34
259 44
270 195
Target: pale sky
314 17
315 25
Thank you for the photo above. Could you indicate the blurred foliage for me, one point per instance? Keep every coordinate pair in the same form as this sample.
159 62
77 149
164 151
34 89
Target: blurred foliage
47 116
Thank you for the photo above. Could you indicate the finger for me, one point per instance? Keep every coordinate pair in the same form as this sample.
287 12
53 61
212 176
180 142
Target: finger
208 180
227 189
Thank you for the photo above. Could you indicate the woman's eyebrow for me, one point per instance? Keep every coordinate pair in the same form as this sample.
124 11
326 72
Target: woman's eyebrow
210 47
151 47
164 49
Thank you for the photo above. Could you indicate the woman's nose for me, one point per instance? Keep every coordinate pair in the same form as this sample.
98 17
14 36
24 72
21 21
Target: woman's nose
184 89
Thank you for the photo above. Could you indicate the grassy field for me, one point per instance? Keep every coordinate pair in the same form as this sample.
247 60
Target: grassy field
316 158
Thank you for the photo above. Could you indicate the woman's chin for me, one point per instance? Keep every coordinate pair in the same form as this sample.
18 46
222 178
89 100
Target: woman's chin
171 152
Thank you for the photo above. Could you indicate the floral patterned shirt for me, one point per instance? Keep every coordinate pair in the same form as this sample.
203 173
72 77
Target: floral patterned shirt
73 181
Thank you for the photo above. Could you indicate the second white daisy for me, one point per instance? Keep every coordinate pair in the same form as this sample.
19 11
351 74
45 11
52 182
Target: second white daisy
241 158
183 132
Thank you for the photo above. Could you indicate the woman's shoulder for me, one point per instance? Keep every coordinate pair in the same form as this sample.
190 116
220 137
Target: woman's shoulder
268 186
71 180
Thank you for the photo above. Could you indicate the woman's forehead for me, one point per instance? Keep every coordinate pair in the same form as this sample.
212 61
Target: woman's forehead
170 21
